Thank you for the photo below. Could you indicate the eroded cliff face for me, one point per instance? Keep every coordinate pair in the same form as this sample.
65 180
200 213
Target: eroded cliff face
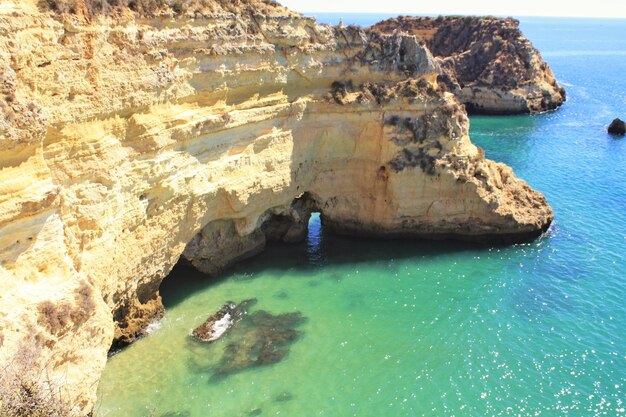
489 63
126 142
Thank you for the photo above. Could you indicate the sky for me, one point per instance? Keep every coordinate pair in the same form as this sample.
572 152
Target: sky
574 8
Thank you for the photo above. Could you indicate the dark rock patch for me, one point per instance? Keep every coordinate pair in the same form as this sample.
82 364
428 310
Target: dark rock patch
413 158
253 339
284 397
281 295
259 339
617 127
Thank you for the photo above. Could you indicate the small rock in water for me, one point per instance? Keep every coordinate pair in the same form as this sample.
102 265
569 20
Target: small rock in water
284 396
219 323
617 127
281 295
216 325
255 412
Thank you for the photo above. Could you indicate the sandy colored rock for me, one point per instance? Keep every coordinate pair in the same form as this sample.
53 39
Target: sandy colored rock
124 141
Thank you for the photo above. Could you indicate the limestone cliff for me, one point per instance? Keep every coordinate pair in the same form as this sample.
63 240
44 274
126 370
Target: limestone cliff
127 141
489 63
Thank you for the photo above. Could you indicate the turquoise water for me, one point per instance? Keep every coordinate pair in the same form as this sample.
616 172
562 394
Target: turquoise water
433 329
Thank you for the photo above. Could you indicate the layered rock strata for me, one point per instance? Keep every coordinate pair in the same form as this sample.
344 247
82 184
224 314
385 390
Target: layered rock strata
126 142
490 65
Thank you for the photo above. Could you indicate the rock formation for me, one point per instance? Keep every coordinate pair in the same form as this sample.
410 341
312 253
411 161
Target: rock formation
489 64
216 325
128 141
617 127
221 322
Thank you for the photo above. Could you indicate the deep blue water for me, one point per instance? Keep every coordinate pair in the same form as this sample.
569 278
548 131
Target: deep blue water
435 329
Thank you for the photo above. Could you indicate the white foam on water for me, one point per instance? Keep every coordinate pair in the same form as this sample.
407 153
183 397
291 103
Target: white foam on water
220 327
153 327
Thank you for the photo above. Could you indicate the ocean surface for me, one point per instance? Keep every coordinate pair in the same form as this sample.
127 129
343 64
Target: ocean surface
430 329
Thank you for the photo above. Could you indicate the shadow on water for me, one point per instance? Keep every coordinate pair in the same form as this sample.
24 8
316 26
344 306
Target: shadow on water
318 250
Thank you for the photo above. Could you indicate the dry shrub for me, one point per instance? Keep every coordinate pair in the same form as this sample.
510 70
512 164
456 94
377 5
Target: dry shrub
26 389
153 7
85 303
59 317
55 317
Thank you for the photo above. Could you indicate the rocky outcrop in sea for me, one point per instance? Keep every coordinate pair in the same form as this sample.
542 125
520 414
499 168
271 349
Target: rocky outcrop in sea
488 62
617 127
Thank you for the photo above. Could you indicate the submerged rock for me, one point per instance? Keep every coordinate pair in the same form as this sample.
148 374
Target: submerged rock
256 339
259 339
617 127
263 319
284 397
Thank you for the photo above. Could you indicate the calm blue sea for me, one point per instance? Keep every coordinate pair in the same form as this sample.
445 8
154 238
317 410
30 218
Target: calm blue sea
433 329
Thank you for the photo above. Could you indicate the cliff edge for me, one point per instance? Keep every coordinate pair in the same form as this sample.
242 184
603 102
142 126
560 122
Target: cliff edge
490 65
131 138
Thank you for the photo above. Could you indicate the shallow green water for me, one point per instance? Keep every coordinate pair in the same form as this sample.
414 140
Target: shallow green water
433 329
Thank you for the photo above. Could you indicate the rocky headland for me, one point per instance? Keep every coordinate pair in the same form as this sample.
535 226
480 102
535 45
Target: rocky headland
132 138
487 62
